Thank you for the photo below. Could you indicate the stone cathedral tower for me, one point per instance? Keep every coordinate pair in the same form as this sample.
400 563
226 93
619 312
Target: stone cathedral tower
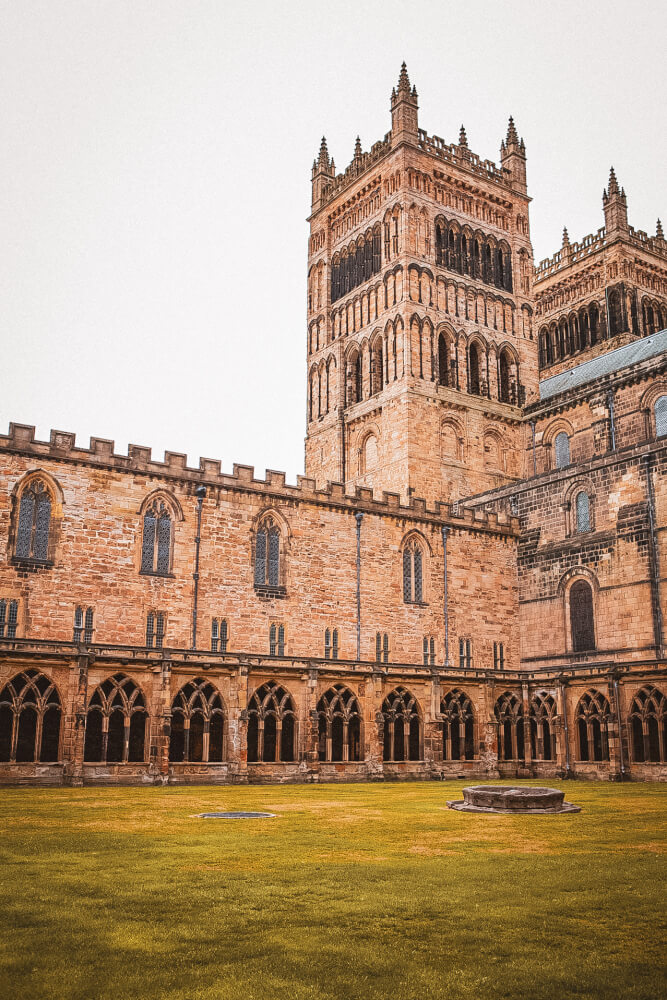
421 349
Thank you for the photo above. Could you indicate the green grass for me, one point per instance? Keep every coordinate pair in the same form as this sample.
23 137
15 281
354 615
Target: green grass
357 891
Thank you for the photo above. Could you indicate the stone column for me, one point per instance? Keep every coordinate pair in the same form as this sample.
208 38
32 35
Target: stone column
160 722
488 730
527 748
74 720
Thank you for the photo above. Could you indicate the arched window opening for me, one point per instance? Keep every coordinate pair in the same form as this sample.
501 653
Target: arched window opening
594 323
443 360
34 522
271 725
648 720
382 647
660 411
156 624
276 640
9 616
616 324
376 368
581 616
509 719
30 715
413 576
542 732
83 625
562 450
592 722
219 635
116 723
402 727
583 512
339 726
457 726
474 377
505 388
197 724
157 538
267 554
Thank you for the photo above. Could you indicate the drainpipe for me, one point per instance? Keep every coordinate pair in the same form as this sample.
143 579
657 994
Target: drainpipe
612 428
532 428
358 518
445 532
200 493
654 559
563 684
617 699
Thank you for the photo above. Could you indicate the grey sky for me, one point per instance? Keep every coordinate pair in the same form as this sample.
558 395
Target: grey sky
155 177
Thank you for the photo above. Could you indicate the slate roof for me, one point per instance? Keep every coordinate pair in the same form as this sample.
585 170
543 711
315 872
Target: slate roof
605 364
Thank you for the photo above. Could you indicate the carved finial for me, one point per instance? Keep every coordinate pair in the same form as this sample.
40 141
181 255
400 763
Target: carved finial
658 231
613 183
566 238
404 79
463 138
324 153
357 148
512 137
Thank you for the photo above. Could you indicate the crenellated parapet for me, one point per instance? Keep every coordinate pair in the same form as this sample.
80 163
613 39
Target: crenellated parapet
62 447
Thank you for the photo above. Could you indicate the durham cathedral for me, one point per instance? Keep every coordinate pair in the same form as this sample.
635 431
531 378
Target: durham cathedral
468 581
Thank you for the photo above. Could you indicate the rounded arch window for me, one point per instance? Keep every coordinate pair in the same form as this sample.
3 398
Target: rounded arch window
369 453
581 616
562 450
582 507
660 411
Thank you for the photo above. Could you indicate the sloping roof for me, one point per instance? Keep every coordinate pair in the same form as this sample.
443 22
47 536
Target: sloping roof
605 364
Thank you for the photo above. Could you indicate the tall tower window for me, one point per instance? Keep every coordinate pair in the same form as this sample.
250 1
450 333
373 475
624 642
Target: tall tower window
562 450
32 537
413 577
156 541
660 411
581 616
267 554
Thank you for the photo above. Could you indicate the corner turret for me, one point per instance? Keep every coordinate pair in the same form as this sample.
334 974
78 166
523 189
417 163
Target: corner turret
404 108
615 205
324 171
513 158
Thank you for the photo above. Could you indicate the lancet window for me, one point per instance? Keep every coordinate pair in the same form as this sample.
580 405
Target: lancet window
157 539
219 635
581 616
267 554
34 522
156 627
413 573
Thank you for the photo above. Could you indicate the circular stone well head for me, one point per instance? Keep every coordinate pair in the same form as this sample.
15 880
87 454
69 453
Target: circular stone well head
513 799
235 815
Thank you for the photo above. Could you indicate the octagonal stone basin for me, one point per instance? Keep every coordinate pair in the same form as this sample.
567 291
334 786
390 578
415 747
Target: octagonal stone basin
513 799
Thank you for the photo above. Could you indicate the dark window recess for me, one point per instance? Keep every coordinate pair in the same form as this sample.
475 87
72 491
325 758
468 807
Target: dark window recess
83 625
122 739
581 616
32 537
428 651
30 716
499 656
413 588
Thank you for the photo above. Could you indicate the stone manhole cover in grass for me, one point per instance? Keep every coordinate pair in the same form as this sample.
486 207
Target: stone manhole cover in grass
236 815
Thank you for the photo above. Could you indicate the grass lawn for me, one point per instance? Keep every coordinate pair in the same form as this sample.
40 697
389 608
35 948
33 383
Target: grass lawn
357 891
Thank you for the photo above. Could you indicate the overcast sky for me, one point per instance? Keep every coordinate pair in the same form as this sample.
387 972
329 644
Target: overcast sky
155 162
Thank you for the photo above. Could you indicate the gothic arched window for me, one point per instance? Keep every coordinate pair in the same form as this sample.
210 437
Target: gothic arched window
592 720
413 573
267 554
29 719
457 726
562 450
660 411
581 616
197 724
34 522
271 725
509 718
542 734
402 726
583 511
157 539
116 723
339 726
648 719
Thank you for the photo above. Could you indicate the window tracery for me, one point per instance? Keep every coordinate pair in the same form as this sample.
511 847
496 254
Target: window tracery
413 572
648 723
592 721
509 719
197 724
34 521
30 715
457 726
339 726
157 536
542 734
271 725
402 726
116 723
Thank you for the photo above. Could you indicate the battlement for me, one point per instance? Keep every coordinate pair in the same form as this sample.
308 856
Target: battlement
359 164
591 244
62 446
461 156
